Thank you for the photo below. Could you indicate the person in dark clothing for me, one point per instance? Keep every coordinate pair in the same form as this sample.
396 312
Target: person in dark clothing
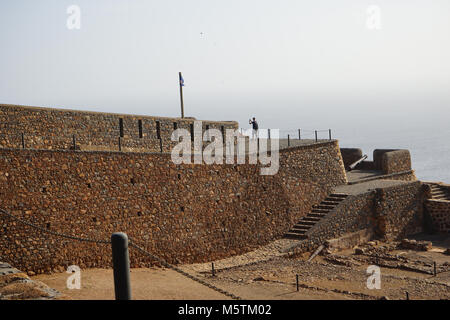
254 127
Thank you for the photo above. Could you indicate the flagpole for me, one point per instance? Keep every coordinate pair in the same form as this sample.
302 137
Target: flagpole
181 94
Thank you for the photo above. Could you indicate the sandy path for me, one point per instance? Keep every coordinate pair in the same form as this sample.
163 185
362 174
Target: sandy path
146 284
165 284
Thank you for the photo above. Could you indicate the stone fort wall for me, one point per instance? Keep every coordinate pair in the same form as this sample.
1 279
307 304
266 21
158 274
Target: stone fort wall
388 161
389 213
45 128
182 213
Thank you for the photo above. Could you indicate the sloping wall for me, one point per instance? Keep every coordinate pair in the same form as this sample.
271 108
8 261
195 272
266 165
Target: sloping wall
183 213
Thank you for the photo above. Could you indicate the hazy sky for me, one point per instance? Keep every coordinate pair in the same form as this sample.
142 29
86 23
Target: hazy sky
310 64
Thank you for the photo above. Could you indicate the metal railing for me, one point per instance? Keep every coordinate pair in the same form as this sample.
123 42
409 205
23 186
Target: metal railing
291 134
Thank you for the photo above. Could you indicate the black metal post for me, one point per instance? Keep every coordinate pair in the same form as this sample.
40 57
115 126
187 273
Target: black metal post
74 143
121 266
268 132
316 134
289 141
120 144
329 133
23 141
160 145
213 272
299 135
296 280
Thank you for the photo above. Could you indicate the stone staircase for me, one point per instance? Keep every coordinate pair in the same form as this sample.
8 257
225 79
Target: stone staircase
439 193
318 212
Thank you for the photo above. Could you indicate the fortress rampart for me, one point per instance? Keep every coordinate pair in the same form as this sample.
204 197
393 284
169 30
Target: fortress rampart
387 161
45 128
183 213
390 213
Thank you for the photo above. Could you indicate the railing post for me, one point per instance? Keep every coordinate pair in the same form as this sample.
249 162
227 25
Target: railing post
23 141
296 280
289 141
213 272
74 143
315 131
120 144
329 133
160 145
268 132
299 135
121 266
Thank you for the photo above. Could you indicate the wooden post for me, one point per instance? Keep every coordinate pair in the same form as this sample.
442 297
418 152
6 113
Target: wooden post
181 93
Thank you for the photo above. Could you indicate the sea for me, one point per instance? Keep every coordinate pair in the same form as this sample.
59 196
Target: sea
425 133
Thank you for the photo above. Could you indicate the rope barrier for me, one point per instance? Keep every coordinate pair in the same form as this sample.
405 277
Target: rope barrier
132 244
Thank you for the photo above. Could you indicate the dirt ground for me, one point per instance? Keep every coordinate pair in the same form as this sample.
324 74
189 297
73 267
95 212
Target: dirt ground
338 276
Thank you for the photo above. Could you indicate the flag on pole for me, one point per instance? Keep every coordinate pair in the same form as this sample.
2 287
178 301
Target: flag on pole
181 80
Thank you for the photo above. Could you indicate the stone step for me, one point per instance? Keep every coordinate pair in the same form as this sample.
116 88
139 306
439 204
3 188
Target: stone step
300 226
305 223
317 215
315 210
330 203
299 231
441 198
334 199
291 235
312 219
325 207
440 195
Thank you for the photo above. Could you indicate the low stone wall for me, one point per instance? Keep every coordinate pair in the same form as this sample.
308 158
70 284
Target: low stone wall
377 157
439 211
389 213
350 155
48 128
16 285
399 210
391 160
349 240
182 213
396 161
